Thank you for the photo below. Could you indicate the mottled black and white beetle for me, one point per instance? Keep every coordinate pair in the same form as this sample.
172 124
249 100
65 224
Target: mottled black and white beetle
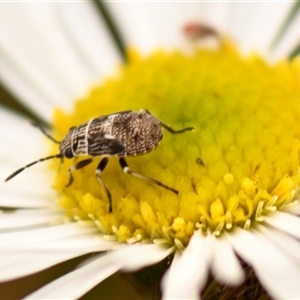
121 134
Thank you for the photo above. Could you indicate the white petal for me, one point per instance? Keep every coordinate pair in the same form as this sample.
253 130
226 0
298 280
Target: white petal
148 255
283 241
78 282
21 259
13 198
254 25
93 41
21 143
293 208
225 266
17 132
21 262
285 222
70 243
23 192
26 218
289 41
42 60
276 272
47 234
188 272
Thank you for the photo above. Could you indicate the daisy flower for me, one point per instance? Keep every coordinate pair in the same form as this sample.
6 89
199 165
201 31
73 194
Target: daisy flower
234 222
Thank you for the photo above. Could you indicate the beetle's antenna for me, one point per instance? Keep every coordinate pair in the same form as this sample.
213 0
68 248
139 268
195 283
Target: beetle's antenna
59 155
173 131
42 129
170 129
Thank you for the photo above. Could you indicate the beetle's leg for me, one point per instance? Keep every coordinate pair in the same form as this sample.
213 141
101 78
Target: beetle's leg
100 168
170 129
127 170
79 165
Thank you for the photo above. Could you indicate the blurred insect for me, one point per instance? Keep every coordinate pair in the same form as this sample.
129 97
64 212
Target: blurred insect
196 30
121 134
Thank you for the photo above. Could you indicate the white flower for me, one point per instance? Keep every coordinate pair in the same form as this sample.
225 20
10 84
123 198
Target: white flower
50 54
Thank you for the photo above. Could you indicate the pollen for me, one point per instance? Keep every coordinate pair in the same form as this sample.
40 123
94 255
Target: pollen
239 164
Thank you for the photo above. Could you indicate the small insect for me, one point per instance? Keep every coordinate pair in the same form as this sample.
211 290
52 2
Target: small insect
199 161
121 134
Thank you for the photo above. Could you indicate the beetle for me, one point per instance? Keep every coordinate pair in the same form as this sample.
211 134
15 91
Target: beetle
121 134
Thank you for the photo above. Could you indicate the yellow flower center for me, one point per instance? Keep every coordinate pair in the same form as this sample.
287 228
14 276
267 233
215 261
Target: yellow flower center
240 162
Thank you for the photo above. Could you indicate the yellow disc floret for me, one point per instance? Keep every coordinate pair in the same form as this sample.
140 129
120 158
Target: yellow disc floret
240 162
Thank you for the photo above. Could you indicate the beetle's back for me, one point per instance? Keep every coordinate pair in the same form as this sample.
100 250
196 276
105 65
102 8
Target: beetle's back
126 133
139 132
